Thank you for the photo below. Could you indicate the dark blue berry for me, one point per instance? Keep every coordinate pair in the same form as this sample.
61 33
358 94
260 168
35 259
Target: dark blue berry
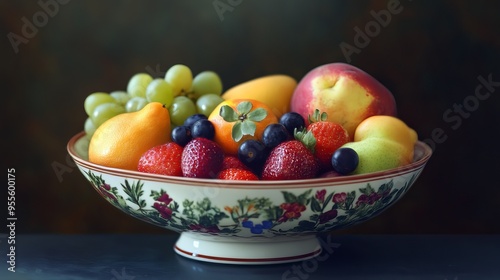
203 128
252 153
292 121
181 135
194 118
345 160
274 134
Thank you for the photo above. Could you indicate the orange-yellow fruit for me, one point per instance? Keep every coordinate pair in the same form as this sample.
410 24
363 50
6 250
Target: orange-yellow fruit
382 142
223 128
390 128
273 90
120 141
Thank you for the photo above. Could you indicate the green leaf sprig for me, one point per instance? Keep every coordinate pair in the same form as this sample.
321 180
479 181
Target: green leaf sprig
244 117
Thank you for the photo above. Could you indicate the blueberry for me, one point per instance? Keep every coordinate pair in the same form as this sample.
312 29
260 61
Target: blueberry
274 134
252 153
203 128
292 121
194 118
181 135
345 160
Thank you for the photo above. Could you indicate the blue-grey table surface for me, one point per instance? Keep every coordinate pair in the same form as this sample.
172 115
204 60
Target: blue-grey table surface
151 256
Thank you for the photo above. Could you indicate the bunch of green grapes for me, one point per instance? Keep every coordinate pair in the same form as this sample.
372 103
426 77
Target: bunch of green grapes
183 94
101 106
192 95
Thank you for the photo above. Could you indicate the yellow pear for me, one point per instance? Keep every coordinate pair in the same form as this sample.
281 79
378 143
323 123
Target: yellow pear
382 143
120 141
391 128
377 154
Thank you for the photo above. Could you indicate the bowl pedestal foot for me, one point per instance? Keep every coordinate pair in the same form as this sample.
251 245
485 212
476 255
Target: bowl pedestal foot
247 251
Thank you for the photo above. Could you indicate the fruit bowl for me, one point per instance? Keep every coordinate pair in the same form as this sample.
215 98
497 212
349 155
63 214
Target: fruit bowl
249 222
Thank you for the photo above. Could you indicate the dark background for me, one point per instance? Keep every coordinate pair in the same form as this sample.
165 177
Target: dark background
429 55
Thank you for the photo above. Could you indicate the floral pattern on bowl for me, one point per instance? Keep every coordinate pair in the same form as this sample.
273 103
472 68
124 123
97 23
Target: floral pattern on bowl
315 209
216 218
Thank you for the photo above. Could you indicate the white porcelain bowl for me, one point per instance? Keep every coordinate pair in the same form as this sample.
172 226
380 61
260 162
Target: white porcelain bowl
248 222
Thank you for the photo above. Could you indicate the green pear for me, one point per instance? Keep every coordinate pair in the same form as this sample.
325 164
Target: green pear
390 128
377 154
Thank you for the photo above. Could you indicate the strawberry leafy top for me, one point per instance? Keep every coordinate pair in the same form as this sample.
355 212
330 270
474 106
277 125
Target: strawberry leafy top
307 138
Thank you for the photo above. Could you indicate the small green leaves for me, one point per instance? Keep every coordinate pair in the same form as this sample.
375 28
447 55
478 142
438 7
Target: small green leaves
244 107
248 128
317 117
228 114
135 193
244 117
306 137
257 115
243 128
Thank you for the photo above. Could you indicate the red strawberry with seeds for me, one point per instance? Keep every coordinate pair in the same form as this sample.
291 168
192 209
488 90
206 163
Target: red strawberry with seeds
329 137
201 158
233 162
237 174
163 159
292 160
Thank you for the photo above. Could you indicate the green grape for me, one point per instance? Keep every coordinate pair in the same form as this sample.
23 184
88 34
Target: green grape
120 96
207 103
95 99
135 104
180 77
181 109
160 91
138 83
104 112
82 147
89 128
207 82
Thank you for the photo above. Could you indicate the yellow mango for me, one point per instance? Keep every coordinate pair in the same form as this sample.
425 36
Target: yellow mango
273 90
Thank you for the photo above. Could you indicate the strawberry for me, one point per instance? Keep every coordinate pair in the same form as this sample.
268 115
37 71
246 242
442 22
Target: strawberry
233 162
201 158
292 159
329 137
162 159
237 174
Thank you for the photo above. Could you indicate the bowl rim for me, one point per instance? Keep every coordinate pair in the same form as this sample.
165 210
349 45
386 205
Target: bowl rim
419 163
